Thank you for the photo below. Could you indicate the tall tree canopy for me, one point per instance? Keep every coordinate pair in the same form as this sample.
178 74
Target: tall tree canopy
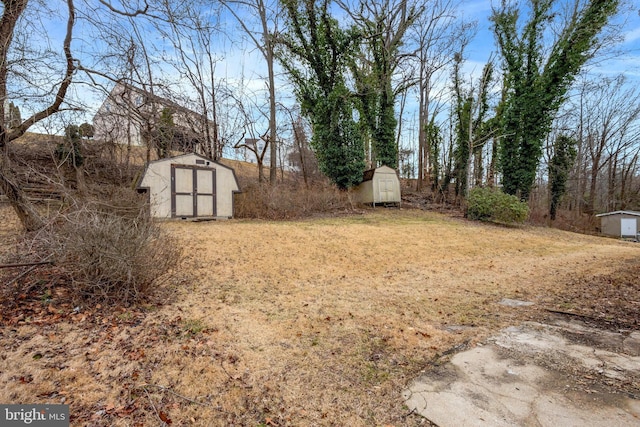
537 78
383 26
316 55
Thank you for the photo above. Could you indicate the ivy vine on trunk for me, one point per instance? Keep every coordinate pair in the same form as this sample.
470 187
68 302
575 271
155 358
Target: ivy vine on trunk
536 83
315 52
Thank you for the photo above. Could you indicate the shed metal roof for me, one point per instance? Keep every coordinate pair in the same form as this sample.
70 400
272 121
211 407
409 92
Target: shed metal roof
634 213
368 174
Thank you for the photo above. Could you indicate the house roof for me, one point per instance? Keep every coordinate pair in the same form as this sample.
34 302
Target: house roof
115 96
633 213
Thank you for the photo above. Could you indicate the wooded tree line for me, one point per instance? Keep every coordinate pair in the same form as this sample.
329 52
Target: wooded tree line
533 120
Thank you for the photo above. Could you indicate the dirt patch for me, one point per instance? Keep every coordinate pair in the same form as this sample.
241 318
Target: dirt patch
315 322
609 300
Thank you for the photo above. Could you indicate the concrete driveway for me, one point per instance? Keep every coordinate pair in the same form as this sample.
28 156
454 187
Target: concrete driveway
559 374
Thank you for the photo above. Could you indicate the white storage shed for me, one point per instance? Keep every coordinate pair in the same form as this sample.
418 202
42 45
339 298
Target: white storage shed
380 186
189 186
620 223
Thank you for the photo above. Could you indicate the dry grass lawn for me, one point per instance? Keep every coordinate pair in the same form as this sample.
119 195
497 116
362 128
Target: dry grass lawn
319 322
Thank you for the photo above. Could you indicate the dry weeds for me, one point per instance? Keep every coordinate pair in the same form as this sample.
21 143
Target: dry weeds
314 322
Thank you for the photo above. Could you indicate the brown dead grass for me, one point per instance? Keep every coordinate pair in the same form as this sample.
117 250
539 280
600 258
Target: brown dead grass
300 323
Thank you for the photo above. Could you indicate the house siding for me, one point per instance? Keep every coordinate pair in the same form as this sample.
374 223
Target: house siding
128 111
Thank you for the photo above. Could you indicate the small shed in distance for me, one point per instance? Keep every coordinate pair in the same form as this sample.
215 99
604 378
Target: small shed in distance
189 186
379 186
620 223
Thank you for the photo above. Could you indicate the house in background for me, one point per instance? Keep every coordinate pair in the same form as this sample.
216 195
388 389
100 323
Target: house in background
133 116
620 224
379 186
12 117
189 186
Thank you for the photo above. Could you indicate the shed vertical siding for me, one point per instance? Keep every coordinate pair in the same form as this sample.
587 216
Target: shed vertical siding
379 186
226 186
610 225
194 181
365 192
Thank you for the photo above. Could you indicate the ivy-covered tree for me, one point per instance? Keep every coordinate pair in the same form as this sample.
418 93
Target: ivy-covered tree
535 82
434 142
316 52
564 154
70 151
462 117
383 25
472 128
164 133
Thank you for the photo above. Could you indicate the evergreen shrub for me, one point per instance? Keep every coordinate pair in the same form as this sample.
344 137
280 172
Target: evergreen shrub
485 204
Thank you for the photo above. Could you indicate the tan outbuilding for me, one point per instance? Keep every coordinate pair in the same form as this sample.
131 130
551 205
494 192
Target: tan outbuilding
380 186
620 223
189 186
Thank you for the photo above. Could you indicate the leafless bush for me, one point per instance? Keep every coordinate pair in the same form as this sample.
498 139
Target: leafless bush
109 252
288 201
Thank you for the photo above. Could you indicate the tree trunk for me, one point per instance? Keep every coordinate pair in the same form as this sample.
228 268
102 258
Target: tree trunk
272 111
591 201
28 216
298 142
627 173
611 190
491 174
422 114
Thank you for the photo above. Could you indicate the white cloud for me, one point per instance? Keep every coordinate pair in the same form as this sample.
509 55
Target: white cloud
632 35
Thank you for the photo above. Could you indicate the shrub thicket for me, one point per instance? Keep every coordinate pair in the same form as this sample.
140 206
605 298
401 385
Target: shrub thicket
485 204
288 200
110 253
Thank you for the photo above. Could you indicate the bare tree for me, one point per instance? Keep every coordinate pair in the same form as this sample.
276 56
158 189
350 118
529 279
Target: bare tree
124 69
13 11
302 157
191 29
610 126
264 39
436 36
33 70
258 142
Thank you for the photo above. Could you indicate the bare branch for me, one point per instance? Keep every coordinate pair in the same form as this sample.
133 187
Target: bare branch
64 85
123 13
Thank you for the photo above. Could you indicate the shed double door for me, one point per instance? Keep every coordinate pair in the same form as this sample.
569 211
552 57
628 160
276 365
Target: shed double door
386 189
193 191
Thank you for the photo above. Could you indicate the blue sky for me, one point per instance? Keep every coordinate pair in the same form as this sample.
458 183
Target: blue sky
628 19
247 60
